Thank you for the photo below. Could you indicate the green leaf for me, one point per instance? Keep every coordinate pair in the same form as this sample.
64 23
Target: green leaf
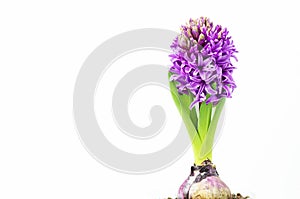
193 113
189 117
204 119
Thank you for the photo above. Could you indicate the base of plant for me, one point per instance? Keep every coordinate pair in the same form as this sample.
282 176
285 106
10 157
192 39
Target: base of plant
233 196
204 183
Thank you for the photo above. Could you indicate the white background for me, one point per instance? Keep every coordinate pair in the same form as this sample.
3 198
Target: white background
42 47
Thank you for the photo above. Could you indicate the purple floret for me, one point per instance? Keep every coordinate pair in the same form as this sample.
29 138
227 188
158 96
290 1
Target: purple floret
202 61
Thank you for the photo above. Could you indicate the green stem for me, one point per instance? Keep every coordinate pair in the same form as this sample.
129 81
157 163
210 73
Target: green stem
194 137
207 145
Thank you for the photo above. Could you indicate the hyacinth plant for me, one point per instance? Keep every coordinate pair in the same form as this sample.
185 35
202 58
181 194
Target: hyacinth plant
200 81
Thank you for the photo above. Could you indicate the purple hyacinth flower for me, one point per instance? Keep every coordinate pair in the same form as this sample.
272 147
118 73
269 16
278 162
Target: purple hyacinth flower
201 61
